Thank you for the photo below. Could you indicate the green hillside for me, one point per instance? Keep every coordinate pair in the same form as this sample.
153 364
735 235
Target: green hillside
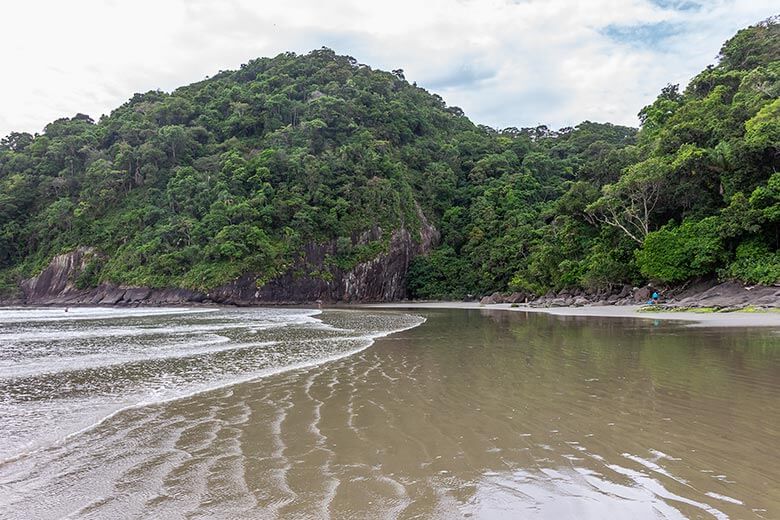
239 172
695 193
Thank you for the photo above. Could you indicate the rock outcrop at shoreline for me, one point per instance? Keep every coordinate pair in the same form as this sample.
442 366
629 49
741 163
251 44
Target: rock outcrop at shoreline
56 285
726 295
625 295
708 293
382 278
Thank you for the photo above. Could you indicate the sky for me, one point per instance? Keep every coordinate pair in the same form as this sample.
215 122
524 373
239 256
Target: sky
504 62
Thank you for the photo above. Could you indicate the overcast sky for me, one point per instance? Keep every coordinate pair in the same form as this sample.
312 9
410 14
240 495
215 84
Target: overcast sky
505 62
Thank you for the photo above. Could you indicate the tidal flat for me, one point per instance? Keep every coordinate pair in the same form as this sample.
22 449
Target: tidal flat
461 413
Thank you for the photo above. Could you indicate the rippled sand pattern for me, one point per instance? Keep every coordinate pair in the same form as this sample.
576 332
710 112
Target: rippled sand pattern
473 414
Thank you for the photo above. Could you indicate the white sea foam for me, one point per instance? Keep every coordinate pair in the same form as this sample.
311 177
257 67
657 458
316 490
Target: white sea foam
44 314
56 384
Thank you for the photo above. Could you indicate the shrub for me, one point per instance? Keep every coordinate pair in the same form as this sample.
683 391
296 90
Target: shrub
90 276
754 263
678 253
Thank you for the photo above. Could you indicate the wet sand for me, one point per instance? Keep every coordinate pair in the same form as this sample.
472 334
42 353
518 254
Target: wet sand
707 319
474 414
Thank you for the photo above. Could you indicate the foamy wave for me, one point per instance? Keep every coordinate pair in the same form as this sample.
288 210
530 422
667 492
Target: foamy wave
78 393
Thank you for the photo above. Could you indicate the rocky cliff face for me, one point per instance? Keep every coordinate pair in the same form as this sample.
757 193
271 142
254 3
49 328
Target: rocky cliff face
56 285
382 278
58 278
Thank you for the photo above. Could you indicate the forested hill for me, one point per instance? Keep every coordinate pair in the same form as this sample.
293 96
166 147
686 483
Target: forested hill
248 171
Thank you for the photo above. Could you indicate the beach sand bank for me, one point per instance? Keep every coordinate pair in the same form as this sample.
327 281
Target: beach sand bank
701 319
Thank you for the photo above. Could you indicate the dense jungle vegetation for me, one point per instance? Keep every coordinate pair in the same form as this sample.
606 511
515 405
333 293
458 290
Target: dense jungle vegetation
236 173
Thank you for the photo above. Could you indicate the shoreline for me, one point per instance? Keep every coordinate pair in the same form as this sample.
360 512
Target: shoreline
704 318
698 319
205 388
457 398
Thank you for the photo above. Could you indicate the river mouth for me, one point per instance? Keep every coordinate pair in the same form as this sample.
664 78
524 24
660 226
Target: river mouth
473 414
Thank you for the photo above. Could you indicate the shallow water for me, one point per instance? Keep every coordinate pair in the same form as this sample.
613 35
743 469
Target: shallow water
63 372
472 414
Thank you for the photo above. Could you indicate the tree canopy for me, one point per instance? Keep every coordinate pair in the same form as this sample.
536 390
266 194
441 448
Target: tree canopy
237 173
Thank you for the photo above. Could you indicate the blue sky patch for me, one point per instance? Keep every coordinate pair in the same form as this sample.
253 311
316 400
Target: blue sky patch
643 35
678 5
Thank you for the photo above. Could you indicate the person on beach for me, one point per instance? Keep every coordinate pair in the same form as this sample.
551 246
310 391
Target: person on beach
654 296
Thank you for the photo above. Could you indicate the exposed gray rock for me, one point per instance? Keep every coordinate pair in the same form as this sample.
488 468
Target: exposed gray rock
642 294
707 293
516 297
57 281
309 279
728 295
108 294
136 294
579 301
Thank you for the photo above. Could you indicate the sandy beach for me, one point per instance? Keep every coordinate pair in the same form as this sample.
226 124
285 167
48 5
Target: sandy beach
700 319
475 413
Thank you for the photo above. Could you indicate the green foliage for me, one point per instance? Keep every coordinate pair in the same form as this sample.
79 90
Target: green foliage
678 253
231 175
610 261
89 276
753 46
754 263
629 203
441 275
349 255
241 172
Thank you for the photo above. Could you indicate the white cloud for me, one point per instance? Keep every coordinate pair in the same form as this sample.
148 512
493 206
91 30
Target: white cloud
506 63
